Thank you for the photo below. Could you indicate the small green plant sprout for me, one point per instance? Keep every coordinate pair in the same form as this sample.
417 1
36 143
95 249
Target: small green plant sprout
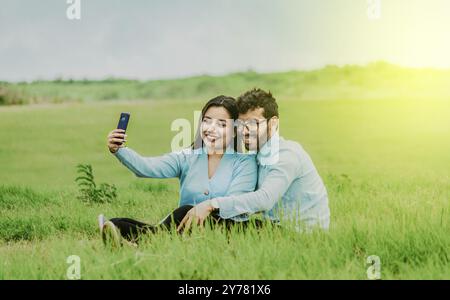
89 192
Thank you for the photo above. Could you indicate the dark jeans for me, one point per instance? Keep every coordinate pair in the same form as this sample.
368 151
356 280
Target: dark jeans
131 229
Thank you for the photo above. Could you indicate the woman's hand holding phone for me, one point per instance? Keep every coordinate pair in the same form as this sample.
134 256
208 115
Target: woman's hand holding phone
117 137
116 140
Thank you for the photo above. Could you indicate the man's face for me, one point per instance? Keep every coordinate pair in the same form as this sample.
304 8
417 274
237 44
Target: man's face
252 127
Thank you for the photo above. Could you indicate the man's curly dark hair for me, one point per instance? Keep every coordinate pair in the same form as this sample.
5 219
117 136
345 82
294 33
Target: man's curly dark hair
258 98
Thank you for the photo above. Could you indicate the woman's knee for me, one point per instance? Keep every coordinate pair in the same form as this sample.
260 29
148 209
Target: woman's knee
177 215
115 221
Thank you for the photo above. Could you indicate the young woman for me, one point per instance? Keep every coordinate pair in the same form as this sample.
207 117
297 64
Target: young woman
210 168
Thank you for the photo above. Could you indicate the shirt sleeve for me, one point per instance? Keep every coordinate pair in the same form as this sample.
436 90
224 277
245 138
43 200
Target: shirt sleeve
166 166
276 183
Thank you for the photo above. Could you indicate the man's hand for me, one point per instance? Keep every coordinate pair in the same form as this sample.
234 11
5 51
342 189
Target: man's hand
116 138
197 214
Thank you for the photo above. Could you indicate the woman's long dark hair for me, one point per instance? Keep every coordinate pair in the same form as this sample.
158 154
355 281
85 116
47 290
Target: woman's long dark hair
229 103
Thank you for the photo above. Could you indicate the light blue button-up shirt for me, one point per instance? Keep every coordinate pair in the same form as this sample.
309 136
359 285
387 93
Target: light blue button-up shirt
236 173
289 187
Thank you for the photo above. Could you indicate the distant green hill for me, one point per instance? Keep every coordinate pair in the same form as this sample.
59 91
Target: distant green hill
374 81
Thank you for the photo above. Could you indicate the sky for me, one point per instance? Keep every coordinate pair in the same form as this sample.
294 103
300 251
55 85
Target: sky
156 39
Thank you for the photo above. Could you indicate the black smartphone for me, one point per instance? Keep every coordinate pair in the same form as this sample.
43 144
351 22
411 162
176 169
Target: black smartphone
123 121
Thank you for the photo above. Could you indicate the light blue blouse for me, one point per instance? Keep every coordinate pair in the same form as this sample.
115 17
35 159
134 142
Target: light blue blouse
236 174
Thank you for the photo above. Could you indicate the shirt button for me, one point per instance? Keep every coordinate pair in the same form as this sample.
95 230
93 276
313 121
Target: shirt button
206 192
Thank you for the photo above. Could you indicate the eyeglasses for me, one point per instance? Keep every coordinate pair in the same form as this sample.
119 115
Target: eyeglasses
250 124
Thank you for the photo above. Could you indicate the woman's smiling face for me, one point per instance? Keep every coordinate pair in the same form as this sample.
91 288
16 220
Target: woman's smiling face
217 129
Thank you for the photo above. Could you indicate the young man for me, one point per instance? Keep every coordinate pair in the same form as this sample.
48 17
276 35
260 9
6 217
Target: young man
289 186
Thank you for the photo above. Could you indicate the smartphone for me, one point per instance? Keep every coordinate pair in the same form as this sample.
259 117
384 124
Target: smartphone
123 121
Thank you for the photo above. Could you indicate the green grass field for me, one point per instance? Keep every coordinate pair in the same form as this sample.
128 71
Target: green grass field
385 163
